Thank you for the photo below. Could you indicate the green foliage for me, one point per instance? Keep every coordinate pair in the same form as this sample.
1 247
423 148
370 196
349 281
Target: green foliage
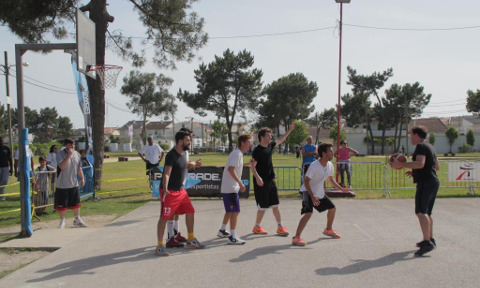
298 135
226 86
149 95
165 147
464 148
289 98
219 130
470 138
323 120
473 101
333 134
113 139
432 138
452 134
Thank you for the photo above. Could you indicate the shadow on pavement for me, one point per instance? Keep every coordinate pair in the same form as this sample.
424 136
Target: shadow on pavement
362 265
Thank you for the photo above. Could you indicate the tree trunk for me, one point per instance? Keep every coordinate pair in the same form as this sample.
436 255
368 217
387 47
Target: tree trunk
144 130
382 152
98 14
369 127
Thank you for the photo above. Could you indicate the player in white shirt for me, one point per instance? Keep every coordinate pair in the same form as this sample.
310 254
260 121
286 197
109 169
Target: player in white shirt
313 193
231 185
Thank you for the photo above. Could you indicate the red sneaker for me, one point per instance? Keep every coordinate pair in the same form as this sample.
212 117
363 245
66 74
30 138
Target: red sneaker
259 230
180 238
173 243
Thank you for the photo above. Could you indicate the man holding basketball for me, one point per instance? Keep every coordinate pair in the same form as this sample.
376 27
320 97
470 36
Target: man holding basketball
424 167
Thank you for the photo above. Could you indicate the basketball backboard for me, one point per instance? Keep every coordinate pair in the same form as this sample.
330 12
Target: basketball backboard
86 48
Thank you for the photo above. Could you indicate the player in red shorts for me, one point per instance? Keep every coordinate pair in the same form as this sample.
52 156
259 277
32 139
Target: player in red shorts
175 197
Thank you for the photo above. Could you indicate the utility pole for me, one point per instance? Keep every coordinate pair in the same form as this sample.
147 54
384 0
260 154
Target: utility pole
9 101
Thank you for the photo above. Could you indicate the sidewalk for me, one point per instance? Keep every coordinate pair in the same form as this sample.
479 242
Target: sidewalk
376 250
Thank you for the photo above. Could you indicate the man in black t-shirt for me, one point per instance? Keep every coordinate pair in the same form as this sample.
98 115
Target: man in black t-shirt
265 190
424 167
175 197
5 166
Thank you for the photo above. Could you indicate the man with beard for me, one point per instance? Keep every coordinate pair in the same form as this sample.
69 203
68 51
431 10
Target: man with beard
174 197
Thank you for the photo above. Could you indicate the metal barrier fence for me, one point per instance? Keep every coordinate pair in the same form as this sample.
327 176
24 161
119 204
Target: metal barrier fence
381 177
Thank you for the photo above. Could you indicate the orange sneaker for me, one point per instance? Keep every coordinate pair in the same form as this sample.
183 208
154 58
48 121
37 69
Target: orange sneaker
331 233
281 231
297 241
259 230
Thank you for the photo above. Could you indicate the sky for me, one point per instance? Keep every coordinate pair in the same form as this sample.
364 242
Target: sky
434 43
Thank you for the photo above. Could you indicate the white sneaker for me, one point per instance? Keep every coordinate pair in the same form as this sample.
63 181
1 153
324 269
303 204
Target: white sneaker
223 234
235 240
62 224
79 223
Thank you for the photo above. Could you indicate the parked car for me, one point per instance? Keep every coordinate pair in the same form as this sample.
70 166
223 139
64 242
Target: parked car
221 148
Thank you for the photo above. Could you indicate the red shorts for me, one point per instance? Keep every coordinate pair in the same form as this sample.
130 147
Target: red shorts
176 201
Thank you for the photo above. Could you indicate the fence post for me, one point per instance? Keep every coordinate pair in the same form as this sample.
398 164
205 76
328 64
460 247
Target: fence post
386 176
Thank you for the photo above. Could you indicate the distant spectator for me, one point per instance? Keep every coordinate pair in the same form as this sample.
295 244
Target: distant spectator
5 167
344 154
41 181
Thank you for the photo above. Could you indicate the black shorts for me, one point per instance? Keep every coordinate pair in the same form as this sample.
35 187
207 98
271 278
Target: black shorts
426 195
266 196
307 204
149 165
68 198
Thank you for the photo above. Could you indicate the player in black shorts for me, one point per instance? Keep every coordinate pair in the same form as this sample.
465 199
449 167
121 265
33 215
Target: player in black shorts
424 167
265 190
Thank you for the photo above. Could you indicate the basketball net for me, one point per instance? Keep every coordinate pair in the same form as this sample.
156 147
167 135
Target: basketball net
108 74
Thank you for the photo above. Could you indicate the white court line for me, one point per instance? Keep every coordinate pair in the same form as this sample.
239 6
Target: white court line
364 233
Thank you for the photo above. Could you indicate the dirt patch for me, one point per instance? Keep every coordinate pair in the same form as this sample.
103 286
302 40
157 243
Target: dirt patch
15 258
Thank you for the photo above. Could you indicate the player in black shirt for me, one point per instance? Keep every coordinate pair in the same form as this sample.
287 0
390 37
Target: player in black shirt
424 167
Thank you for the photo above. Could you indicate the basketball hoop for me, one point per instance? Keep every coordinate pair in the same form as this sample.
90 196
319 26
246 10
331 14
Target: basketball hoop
107 73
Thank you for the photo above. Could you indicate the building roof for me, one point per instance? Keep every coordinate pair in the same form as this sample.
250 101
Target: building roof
109 130
157 125
433 125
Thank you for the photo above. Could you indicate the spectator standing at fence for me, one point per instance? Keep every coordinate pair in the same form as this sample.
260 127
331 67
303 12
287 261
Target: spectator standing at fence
313 193
174 197
309 151
344 154
424 167
231 185
52 161
265 189
67 194
151 154
42 175
5 167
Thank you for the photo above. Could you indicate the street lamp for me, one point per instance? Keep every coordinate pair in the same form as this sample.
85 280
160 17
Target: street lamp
339 69
6 69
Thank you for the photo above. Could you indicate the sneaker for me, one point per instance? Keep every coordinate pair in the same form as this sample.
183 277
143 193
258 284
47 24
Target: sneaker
79 223
431 240
297 241
195 244
173 243
425 247
281 231
161 251
331 233
259 230
235 240
223 234
179 237
61 225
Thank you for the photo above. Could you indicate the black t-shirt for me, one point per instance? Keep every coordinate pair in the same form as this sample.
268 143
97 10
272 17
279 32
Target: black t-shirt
4 156
428 171
179 168
263 156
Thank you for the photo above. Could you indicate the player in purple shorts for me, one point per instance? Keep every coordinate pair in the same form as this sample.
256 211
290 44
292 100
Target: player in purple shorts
231 184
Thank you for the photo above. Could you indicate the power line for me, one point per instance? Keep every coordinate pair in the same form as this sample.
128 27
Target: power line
414 29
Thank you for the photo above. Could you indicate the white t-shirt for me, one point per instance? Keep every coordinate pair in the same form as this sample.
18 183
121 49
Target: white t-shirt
151 153
52 160
229 185
318 174
16 156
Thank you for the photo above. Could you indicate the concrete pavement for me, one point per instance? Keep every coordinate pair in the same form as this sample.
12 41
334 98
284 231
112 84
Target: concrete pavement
376 250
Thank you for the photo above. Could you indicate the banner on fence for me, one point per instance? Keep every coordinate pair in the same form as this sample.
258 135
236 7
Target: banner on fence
463 171
202 182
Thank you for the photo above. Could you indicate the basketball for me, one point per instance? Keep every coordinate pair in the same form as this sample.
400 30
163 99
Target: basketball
399 157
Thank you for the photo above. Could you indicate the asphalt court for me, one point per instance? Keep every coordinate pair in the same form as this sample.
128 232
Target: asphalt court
376 250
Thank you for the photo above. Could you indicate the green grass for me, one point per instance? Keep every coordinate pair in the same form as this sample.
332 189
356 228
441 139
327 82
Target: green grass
119 197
